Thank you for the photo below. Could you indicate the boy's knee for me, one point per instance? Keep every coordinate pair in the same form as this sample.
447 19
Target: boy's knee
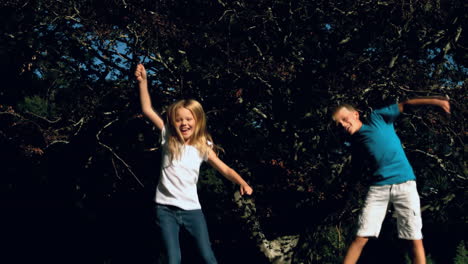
417 243
361 241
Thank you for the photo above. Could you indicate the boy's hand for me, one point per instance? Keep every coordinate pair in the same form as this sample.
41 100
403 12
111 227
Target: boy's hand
246 189
140 73
445 105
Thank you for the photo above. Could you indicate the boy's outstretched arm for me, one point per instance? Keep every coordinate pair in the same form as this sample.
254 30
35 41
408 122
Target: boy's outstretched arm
145 99
442 103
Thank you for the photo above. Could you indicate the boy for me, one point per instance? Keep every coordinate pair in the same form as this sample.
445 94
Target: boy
393 177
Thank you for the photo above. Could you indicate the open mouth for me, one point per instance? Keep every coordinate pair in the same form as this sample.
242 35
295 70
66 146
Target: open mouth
185 130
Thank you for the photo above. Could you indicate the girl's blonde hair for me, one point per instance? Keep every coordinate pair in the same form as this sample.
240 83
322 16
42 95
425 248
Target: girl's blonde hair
200 136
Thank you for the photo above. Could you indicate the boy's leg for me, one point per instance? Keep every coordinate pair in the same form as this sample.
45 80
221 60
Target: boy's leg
419 256
166 219
354 250
370 220
194 222
405 199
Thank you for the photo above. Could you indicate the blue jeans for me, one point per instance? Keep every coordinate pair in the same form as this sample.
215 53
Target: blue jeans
170 219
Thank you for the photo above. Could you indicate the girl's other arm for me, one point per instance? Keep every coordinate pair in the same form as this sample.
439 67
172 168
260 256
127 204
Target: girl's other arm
229 173
145 100
442 103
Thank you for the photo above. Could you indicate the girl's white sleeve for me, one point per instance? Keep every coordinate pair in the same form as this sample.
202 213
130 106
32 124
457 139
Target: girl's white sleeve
163 135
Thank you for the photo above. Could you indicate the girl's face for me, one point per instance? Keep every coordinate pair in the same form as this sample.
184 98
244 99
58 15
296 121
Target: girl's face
185 123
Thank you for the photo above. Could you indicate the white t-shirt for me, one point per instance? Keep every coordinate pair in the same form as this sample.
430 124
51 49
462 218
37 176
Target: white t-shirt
178 183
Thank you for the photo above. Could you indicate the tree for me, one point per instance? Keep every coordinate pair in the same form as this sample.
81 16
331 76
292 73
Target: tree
267 73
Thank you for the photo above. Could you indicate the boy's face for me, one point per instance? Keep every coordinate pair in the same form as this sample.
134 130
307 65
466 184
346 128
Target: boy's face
348 119
185 123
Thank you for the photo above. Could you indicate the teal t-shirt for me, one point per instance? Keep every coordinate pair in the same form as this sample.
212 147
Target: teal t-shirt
381 143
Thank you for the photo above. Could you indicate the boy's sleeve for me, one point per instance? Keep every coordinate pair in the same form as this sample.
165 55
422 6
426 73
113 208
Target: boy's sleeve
388 113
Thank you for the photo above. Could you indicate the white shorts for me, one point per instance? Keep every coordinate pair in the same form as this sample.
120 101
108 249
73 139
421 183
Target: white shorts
405 200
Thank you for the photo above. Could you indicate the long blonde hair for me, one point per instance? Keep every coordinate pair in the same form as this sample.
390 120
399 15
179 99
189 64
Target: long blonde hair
200 136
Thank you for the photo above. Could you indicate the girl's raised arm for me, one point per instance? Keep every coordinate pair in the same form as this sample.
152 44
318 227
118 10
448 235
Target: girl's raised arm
145 100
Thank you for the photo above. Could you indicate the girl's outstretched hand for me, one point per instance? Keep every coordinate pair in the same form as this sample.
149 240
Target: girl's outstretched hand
246 189
140 73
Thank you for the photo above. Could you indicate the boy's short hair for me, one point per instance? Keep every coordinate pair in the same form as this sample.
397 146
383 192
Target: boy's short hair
341 106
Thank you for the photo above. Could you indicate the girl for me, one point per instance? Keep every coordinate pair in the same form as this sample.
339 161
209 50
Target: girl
186 143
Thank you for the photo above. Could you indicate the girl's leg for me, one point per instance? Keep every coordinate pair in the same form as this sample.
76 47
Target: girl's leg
194 222
166 219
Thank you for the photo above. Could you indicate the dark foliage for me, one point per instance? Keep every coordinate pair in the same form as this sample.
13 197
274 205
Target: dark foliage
80 164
